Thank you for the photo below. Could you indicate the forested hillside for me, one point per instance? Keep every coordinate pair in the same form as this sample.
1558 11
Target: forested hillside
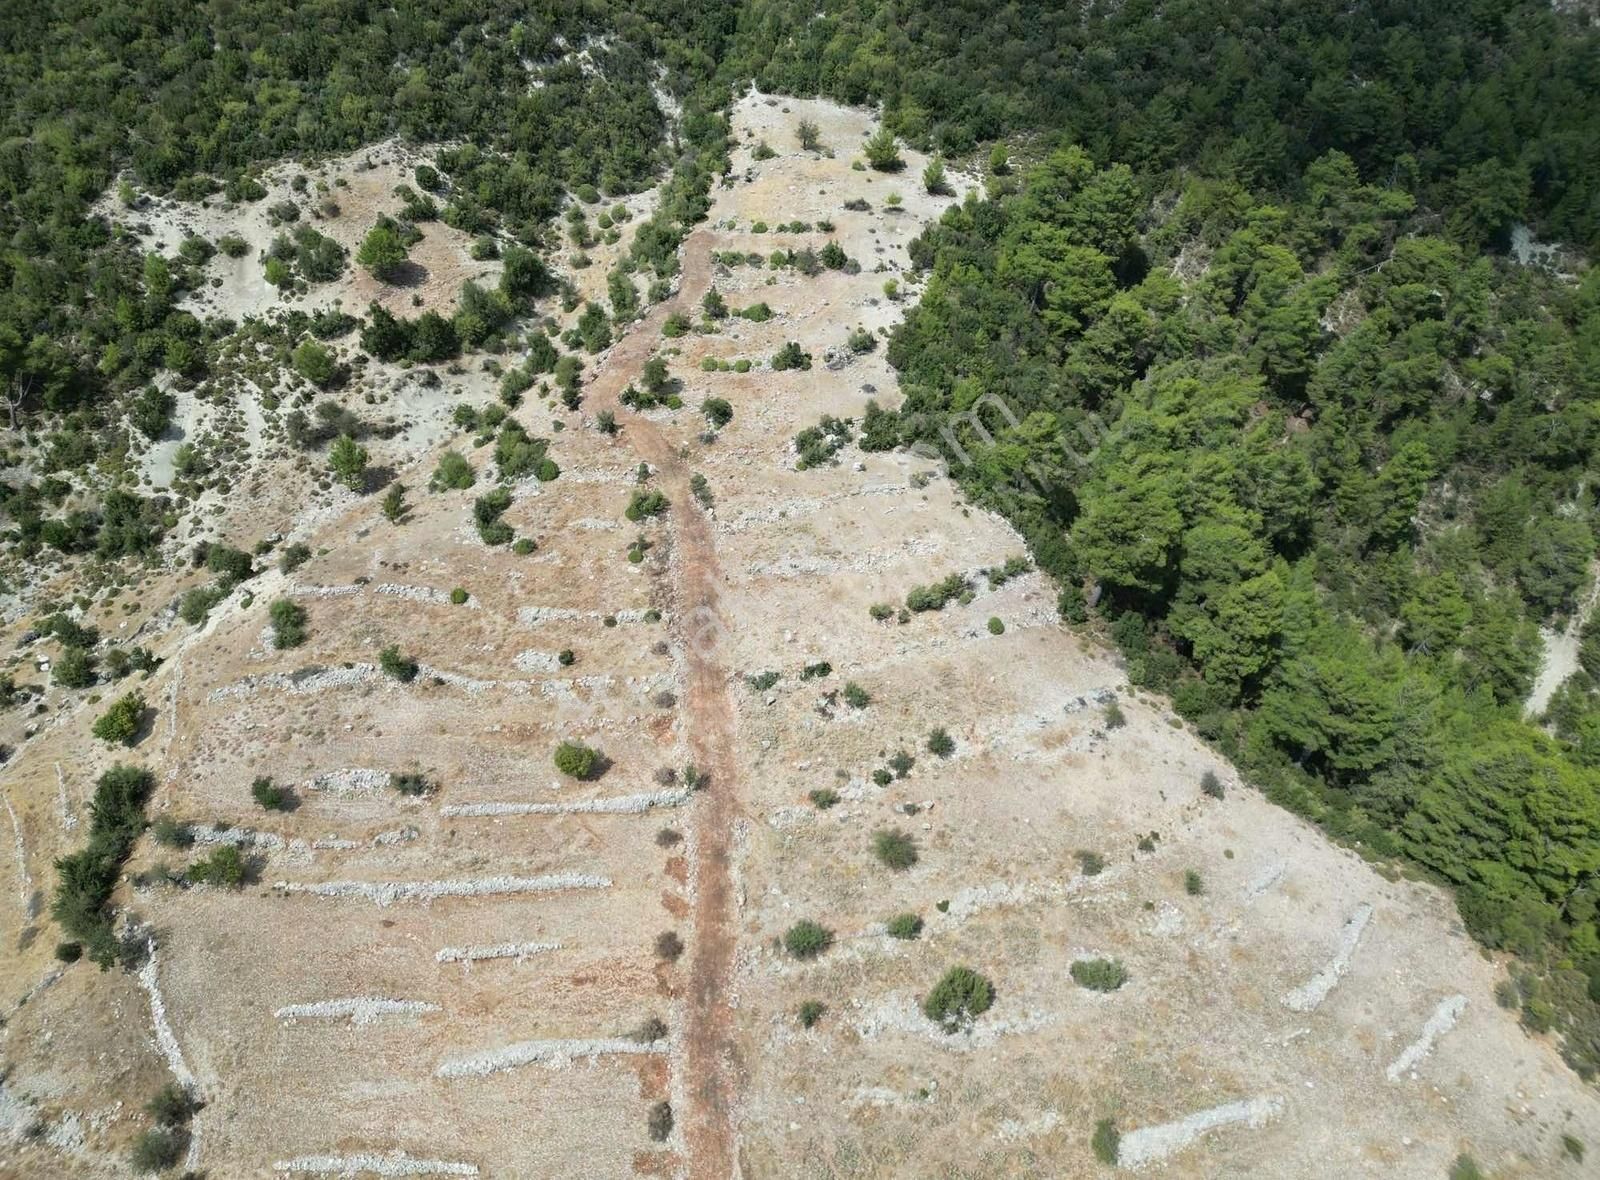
192 101
1239 353
1485 109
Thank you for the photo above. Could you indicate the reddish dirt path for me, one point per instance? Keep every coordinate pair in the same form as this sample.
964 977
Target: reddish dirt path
709 1051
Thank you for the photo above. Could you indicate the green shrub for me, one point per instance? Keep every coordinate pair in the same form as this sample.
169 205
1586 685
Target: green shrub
158 1149
69 952
669 947
1573 1146
937 595
1193 884
658 1125
225 867
810 1012
576 760
453 473
718 411
1114 717
270 796
293 557
120 723
1099 975
645 503
1091 864
996 627
895 849
959 998
459 596
761 681
410 782
566 657
855 696
882 777
396 665
901 763
823 798
170 833
195 605
173 1106
486 513
87 877
288 623
791 356
1211 786
1106 1142
1466 1168
807 939
73 668
905 926
940 742
229 564
816 671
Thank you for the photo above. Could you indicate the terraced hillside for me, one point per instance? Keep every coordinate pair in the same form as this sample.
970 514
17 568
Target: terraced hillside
449 957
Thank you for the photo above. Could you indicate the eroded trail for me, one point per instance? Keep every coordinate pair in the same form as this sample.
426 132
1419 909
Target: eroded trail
709 1055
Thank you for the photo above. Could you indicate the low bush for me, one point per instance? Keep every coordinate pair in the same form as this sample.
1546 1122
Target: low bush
120 724
855 696
816 671
650 1030
224 867
395 665
1091 864
173 1106
823 798
901 763
791 356
410 782
1211 786
1099 975
288 623
459 596
271 797
659 1124
195 605
807 939
1193 884
940 742
1114 717
959 998
1106 1142
645 503
895 849
158 1149
669 946
453 473
576 760
904 926
810 1011
937 595
996 627
293 557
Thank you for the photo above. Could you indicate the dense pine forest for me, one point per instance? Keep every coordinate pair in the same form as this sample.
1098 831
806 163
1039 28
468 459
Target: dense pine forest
1237 335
